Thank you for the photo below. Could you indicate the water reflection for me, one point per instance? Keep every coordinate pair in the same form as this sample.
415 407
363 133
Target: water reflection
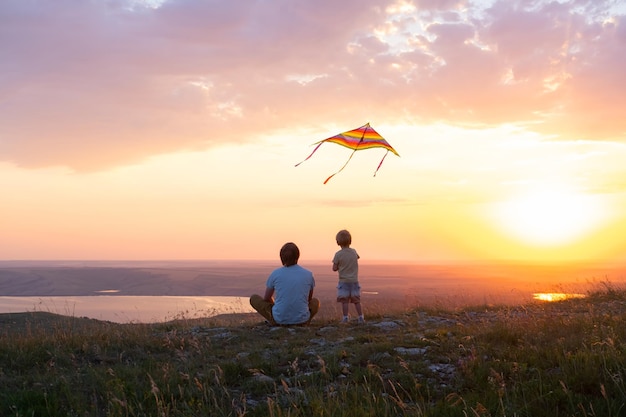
555 296
128 309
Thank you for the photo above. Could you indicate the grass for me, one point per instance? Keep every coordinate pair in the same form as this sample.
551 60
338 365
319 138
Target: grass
542 359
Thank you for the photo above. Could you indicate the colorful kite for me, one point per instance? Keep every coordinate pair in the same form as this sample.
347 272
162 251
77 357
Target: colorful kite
364 137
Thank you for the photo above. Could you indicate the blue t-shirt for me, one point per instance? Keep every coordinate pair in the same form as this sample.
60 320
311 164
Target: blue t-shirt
291 285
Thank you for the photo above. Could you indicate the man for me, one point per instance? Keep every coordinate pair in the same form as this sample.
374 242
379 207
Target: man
288 298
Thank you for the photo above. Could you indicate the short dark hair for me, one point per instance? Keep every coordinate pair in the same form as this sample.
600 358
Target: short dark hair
289 254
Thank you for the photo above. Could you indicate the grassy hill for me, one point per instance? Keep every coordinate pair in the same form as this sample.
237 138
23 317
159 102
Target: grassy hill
541 359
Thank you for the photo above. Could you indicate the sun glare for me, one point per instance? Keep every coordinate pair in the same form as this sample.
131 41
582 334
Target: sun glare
555 296
550 216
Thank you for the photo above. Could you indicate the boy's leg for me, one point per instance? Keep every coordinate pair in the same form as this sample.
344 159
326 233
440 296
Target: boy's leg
343 296
355 297
359 310
263 307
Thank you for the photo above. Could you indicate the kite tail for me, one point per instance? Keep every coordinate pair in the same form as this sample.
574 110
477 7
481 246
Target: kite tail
381 162
320 144
341 169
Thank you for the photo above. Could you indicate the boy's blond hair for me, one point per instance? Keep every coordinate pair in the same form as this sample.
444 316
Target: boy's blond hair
344 238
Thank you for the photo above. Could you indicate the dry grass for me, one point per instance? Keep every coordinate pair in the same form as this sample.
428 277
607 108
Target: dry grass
556 359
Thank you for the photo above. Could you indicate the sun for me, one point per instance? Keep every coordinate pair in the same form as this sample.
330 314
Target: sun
550 216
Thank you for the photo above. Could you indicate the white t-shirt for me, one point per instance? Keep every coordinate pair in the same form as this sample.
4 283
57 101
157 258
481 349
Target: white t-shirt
292 285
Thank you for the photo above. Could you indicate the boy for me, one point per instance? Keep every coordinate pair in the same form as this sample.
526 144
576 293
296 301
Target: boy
347 264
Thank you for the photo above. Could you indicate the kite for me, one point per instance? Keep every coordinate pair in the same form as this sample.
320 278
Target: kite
364 137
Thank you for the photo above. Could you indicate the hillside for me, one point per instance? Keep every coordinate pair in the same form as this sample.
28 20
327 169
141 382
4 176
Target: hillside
541 359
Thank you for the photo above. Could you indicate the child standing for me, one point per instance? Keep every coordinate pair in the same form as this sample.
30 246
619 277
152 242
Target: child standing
346 262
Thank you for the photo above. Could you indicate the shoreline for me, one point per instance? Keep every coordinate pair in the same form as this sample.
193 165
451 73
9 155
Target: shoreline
141 292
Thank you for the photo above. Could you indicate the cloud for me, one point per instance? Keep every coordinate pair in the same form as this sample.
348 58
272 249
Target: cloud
91 85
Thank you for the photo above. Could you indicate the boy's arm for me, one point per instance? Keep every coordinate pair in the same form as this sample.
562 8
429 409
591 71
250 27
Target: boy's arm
336 262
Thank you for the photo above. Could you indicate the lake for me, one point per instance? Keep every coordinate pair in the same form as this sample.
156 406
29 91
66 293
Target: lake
153 291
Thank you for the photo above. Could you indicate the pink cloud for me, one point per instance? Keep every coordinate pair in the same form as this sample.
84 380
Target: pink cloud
96 84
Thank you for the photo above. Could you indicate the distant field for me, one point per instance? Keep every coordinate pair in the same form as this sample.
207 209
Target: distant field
385 285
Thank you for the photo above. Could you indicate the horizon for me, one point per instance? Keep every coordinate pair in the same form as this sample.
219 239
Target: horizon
126 290
276 262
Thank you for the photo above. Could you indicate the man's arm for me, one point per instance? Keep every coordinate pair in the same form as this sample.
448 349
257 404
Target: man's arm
310 294
269 293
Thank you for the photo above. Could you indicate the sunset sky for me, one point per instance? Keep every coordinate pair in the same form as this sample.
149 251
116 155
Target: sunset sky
169 129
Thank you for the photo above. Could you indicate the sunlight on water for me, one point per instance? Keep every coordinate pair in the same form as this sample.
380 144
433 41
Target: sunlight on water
555 296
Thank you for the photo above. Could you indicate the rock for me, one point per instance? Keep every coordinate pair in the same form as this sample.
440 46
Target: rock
410 351
387 325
